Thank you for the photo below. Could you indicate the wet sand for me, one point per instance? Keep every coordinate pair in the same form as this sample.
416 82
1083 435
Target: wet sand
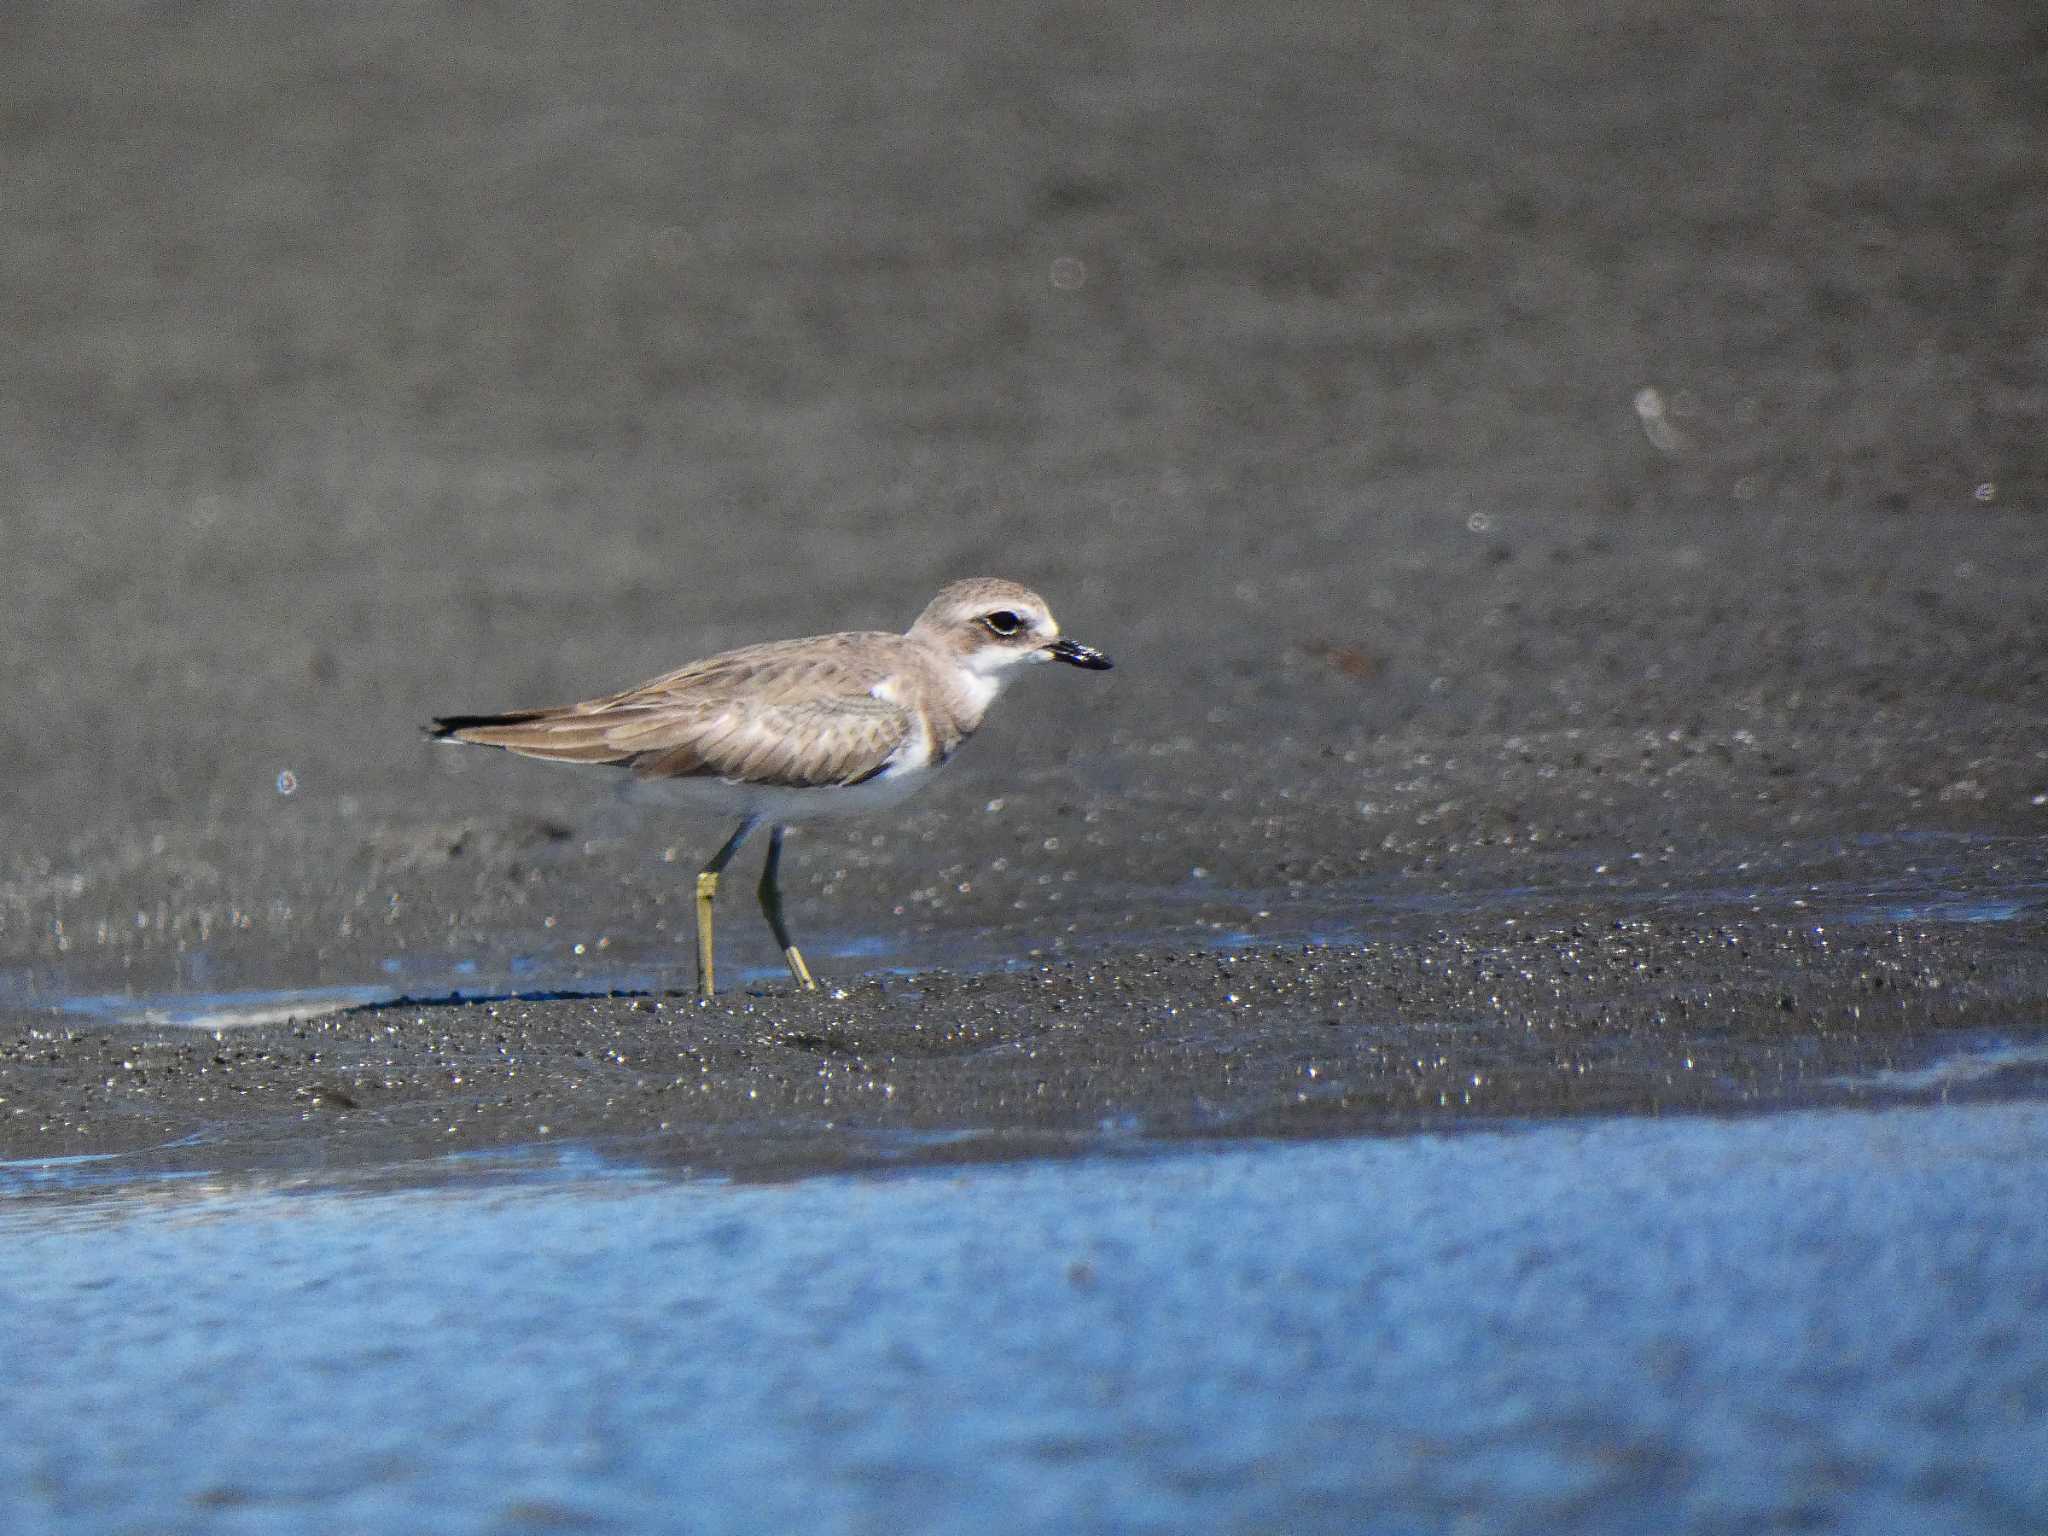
368 365
1109 1055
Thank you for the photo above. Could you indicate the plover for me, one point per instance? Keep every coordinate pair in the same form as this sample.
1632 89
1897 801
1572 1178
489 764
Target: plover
800 729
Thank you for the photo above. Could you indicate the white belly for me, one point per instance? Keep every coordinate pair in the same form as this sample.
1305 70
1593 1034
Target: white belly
773 803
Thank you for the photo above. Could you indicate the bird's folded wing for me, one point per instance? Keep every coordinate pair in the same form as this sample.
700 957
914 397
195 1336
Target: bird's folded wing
798 743
801 744
794 713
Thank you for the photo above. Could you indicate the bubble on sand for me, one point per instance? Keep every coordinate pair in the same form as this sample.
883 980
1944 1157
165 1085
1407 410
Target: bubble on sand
1068 273
1656 422
287 782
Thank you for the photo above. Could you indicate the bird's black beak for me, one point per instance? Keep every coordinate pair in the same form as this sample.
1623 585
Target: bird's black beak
1075 654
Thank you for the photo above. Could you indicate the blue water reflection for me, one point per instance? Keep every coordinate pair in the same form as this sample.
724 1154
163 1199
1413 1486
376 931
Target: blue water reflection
1824 1319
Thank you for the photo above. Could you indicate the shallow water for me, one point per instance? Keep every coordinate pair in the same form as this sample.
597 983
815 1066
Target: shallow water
1817 1319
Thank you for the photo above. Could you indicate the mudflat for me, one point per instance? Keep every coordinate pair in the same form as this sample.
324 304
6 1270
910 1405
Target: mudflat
1564 493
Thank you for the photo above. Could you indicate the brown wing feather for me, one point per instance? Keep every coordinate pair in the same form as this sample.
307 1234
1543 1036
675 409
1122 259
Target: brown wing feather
796 713
563 735
796 745
823 667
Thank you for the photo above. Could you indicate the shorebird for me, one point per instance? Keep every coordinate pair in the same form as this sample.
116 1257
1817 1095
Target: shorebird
800 729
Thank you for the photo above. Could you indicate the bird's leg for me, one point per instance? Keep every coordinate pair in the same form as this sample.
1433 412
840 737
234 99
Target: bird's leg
707 888
771 904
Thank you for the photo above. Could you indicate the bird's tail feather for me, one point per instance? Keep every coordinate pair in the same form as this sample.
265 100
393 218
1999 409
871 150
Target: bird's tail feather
559 735
457 727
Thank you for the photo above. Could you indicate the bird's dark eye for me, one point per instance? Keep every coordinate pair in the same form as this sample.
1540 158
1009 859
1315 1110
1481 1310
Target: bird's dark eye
1003 623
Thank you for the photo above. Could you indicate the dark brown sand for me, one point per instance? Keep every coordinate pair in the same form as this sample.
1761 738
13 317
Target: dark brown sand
1559 465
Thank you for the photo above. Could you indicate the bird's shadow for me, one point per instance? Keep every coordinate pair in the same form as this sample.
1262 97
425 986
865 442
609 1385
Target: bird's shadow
459 998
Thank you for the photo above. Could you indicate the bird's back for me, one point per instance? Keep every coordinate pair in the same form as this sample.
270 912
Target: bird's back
826 710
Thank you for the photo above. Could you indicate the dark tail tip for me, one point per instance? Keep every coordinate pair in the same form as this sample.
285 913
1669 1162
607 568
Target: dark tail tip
445 727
